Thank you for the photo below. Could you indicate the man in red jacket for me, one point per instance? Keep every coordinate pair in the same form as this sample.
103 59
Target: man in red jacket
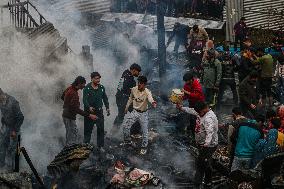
193 93
71 108
192 90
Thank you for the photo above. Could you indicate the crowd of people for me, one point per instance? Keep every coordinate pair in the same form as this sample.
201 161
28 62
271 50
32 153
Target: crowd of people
173 8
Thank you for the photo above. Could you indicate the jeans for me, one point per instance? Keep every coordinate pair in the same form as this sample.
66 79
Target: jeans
89 125
71 131
232 85
8 147
143 119
204 165
241 163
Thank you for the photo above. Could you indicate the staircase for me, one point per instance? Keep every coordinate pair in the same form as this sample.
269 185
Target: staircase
26 19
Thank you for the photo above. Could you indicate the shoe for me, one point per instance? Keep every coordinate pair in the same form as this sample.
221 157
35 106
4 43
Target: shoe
143 151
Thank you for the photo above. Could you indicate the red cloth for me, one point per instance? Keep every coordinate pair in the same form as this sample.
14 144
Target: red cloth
196 93
71 105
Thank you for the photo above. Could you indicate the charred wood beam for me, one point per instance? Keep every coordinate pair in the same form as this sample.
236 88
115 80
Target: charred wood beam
17 155
23 150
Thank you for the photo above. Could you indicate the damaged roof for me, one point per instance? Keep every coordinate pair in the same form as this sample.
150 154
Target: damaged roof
151 20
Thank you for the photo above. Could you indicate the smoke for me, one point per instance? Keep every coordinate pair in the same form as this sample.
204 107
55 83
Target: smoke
38 84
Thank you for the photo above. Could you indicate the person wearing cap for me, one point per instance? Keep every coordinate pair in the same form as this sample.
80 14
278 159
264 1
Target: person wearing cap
94 97
126 83
71 108
211 77
240 32
12 119
139 98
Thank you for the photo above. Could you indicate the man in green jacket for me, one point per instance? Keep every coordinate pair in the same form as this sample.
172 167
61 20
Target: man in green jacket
211 75
94 96
265 62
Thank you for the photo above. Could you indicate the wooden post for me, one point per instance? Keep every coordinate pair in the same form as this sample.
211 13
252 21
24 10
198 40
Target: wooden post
161 42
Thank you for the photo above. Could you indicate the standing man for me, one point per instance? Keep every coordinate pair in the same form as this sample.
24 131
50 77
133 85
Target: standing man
265 62
240 32
126 83
180 32
206 137
228 78
12 119
248 95
140 97
94 96
71 108
211 76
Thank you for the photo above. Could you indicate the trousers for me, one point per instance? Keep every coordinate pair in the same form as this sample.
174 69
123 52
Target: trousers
71 131
143 119
8 147
204 165
89 126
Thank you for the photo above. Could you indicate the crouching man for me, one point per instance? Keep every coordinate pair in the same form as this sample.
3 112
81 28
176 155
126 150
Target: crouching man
12 119
206 137
140 97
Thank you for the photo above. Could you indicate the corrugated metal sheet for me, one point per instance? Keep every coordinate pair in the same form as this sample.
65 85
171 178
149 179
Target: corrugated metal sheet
232 14
86 6
151 20
264 14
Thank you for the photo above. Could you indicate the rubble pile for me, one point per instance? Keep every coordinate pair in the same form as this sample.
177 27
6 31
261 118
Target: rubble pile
15 181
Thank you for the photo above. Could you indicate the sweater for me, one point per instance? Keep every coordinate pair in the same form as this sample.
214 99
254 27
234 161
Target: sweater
140 99
196 93
95 97
71 106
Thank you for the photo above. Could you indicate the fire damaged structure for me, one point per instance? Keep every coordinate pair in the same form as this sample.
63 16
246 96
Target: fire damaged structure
171 154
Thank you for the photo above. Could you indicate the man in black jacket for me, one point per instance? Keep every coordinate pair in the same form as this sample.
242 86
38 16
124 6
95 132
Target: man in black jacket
248 95
12 119
126 82
180 32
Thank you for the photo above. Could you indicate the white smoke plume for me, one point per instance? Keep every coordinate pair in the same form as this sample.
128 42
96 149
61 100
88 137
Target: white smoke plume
38 85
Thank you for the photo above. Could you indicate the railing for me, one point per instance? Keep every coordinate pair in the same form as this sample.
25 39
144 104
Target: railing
20 14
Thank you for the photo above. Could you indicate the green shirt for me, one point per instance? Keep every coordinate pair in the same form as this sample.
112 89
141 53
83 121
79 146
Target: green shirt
95 97
266 65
